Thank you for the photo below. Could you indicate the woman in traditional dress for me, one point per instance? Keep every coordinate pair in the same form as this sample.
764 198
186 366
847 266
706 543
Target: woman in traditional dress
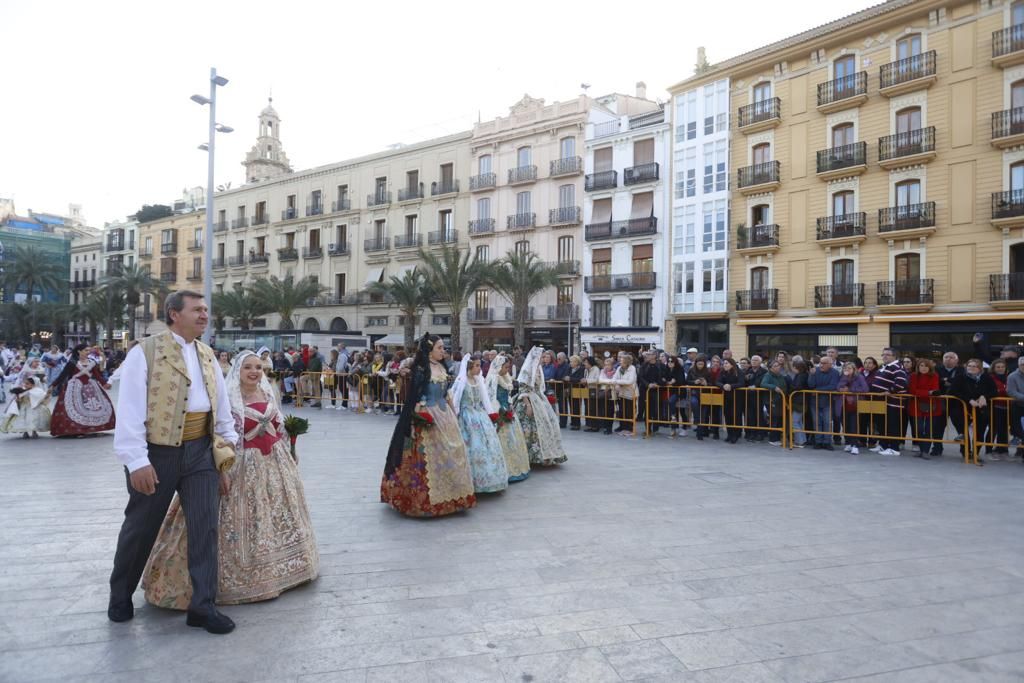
471 403
28 412
513 443
53 361
537 417
33 368
265 540
83 406
427 472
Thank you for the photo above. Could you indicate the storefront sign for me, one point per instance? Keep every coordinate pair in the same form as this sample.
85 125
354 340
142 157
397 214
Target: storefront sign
620 338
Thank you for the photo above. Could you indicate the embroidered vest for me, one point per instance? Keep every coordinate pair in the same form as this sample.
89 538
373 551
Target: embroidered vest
167 387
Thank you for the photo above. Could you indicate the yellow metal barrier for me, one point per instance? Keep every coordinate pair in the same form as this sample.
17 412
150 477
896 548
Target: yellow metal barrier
754 409
993 425
596 406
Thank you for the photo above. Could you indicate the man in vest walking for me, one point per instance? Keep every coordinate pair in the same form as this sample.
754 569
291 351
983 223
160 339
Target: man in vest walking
172 407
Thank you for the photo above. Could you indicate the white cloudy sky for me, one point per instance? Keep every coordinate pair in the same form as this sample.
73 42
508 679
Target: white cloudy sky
96 105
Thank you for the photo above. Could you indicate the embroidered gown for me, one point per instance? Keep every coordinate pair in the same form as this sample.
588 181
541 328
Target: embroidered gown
427 473
265 539
486 459
513 442
22 416
540 427
83 407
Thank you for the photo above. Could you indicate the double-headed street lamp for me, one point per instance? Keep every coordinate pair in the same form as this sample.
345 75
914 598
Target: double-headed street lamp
208 147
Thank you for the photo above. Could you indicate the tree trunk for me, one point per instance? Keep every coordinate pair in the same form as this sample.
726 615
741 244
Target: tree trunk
456 329
410 332
131 323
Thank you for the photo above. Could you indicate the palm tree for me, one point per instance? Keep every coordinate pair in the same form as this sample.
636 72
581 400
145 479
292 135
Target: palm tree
453 276
31 269
410 294
519 277
106 306
284 296
134 282
241 305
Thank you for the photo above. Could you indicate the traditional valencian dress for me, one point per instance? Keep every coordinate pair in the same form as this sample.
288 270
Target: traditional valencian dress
537 417
83 407
427 473
486 460
513 442
265 541
27 412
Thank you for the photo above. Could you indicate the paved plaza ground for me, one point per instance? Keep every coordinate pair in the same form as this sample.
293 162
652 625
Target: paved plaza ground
638 560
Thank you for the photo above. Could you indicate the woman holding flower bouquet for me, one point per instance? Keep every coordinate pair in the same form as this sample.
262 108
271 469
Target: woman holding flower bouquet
536 415
477 420
427 472
265 537
510 432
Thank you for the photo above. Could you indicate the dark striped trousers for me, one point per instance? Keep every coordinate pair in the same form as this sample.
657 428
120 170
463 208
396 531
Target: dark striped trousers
189 471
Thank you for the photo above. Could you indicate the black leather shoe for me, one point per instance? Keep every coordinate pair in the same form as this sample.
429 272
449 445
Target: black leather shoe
213 622
118 611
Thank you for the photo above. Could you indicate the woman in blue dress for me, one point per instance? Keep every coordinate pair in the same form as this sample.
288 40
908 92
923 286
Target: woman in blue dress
513 442
473 406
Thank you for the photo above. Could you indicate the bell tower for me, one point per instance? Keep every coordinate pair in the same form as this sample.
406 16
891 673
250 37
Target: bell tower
267 158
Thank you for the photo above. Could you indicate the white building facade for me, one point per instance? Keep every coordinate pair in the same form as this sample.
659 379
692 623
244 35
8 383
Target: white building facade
698 300
626 209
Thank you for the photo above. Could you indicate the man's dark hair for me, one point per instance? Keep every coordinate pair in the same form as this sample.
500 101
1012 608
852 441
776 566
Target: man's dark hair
176 302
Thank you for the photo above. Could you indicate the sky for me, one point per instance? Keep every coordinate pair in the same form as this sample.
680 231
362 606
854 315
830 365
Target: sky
96 107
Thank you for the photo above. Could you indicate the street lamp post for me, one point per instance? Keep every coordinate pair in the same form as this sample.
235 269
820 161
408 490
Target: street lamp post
215 128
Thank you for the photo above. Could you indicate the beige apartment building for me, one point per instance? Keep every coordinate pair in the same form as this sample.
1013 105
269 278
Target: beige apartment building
172 249
877 182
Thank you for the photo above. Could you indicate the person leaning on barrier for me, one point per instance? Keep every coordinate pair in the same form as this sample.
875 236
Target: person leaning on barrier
754 401
998 418
891 380
648 376
851 382
729 380
606 397
313 383
948 371
575 381
699 376
675 380
777 382
626 393
975 388
798 401
823 378
591 373
926 408
1015 390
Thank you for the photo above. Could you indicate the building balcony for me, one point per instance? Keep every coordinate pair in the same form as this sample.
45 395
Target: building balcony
567 268
760 239
376 244
290 213
839 162
751 302
338 249
309 253
564 312
114 268
260 219
651 118
236 261
564 215
906 296
219 263
145 253
439 237
522 174
510 314
220 226
259 259
1006 290
1008 208
169 248
194 276
343 204
632 227
480 315
843 93
481 226
411 194
759 177
844 298
115 244
847 228
408 241
907 221
624 282
566 166
913 73
602 180
484 181
169 277
1008 46
326 300
907 149
1008 128
644 173
82 284
287 254
760 115
443 187
376 199
239 223
521 221
195 245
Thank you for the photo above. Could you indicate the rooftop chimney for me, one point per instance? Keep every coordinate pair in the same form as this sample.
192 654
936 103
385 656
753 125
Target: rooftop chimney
641 90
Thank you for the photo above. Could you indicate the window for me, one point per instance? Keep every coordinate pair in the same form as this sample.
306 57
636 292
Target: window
445 225
340 235
600 313
640 313
522 247
441 319
691 115
148 249
290 201
197 237
843 272
908 267
240 249
762 91
342 195
197 266
483 253
842 135
316 199
842 203
314 240
565 248
643 152
714 275
567 147
484 164
380 190
447 176
759 279
709 109
1017 177
762 153
412 183
715 157
603 160
222 216
910 46
523 202
564 295
690 244
480 299
377 321
410 226
908 119
523 156
566 196
220 252
1017 14
714 226
379 229
602 261
483 208
643 258
843 67
908 193
261 246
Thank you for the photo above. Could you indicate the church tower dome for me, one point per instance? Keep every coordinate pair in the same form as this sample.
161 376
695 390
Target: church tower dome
267 158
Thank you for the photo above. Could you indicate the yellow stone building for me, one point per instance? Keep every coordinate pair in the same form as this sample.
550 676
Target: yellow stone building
877 182
172 249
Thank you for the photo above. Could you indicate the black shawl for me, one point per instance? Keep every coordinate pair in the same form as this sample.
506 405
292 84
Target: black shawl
403 430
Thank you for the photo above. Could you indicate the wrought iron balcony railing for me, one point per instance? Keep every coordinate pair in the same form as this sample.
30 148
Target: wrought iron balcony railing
1006 287
602 180
837 158
343 204
758 174
169 248
289 213
757 299
522 174
906 144
238 223
1008 204
906 217
1007 41
378 199
374 244
337 248
407 241
444 187
1007 122
521 221
758 236
480 315
483 181
443 237
565 166
631 227
839 296
312 252
406 194
564 215
906 292
259 259
757 112
644 173
909 69
287 254
314 209
620 282
842 226
842 88
481 226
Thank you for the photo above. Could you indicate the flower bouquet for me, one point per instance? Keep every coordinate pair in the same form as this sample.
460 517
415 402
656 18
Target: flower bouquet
422 420
503 418
294 426
552 399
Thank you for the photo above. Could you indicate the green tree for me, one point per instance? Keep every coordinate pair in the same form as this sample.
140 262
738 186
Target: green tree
134 282
284 296
31 270
453 276
411 295
105 307
239 304
519 277
152 212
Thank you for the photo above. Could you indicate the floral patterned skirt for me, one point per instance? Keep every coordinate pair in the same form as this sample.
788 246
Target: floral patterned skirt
513 446
82 408
265 539
483 448
434 478
540 427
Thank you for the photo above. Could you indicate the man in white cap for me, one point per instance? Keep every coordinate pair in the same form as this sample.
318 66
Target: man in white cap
691 355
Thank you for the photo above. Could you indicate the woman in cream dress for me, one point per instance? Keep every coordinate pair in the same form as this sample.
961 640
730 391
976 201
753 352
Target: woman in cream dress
537 417
513 442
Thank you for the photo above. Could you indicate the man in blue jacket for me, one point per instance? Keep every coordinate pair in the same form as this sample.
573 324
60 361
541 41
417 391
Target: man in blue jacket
824 377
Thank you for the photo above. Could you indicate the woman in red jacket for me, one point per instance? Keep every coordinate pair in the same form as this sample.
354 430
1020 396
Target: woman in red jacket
926 410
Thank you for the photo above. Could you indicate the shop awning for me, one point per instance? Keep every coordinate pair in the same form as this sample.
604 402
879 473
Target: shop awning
374 275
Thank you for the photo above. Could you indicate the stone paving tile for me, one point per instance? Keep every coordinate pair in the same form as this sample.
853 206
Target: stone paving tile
651 560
